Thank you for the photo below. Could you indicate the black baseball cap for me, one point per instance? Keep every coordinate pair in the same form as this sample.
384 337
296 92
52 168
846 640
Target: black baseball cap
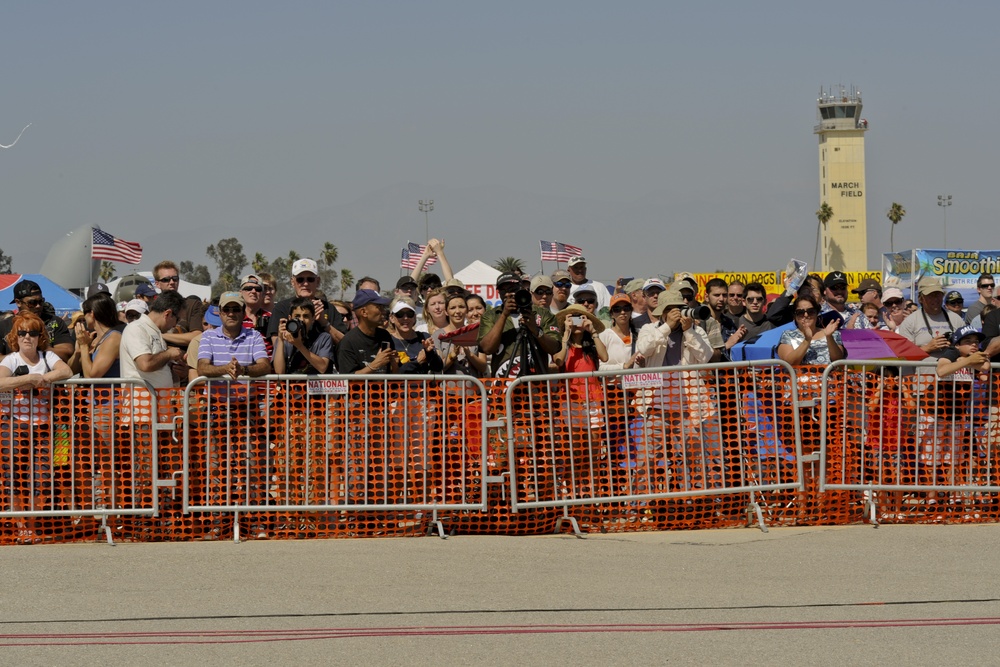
506 278
26 288
404 281
834 278
954 296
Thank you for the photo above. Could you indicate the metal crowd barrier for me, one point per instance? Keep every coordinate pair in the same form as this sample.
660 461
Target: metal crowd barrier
908 443
75 449
639 435
336 444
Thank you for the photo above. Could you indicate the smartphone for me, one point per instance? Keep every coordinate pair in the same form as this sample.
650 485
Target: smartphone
576 320
385 345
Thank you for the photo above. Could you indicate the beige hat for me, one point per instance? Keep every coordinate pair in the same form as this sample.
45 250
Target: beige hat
577 309
671 297
633 285
541 281
928 285
230 297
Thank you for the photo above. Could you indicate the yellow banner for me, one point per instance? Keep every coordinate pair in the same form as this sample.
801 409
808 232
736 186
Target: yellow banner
854 279
768 279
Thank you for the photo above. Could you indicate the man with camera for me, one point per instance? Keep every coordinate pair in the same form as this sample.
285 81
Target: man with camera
674 339
302 349
518 334
305 282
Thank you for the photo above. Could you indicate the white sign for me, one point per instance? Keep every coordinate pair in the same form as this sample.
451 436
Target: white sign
326 387
642 380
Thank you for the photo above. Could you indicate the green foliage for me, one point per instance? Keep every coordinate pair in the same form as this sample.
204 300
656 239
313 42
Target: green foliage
5 262
895 214
108 271
192 273
823 216
509 265
346 281
229 257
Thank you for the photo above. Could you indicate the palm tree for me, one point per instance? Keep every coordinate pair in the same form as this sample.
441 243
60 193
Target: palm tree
895 214
509 265
259 263
823 216
346 280
329 255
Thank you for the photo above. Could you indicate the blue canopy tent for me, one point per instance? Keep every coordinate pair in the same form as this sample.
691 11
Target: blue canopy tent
61 299
764 347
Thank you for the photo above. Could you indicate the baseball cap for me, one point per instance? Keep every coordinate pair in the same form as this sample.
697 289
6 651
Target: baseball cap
928 285
967 330
404 281
834 278
891 293
506 278
576 259
559 275
144 289
633 285
586 288
251 278
541 281
620 298
954 296
868 284
212 316
26 288
230 297
303 265
366 296
97 288
138 305
684 275
653 282
402 303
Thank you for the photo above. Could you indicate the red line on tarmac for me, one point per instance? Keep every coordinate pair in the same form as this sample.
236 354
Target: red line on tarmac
309 634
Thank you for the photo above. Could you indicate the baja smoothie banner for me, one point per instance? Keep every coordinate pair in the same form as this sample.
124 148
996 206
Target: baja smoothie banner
956 269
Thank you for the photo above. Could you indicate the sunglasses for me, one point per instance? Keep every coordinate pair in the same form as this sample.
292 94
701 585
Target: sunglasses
805 312
618 310
33 334
735 296
32 303
253 289
232 311
987 286
754 299
268 289
587 302
543 291
305 279
563 284
893 303
405 315
169 279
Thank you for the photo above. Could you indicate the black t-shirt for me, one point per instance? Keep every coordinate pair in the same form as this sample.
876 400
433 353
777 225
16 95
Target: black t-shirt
57 329
283 307
991 329
952 394
357 349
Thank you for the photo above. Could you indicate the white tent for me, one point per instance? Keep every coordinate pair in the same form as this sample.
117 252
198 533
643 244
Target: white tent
481 278
203 292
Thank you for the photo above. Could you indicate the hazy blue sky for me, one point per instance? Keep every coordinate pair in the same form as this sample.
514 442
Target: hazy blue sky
685 128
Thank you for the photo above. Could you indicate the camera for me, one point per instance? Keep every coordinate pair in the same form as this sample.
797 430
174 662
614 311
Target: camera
699 313
294 327
522 298
21 371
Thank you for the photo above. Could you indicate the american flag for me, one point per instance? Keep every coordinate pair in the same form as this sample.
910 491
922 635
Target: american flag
106 246
553 251
411 256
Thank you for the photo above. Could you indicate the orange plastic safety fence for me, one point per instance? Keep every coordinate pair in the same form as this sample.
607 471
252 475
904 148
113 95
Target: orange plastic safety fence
918 431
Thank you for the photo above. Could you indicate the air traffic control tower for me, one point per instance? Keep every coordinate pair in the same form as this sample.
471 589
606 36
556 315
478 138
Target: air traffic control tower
841 131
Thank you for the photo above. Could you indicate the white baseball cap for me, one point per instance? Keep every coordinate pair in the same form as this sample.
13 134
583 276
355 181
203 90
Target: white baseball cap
303 265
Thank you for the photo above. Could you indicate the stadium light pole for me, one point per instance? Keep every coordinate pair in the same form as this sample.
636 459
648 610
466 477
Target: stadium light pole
944 201
426 208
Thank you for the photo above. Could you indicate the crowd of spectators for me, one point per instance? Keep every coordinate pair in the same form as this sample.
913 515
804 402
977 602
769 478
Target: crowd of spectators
562 322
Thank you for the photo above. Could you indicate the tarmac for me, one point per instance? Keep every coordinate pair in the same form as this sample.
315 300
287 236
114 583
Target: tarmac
910 595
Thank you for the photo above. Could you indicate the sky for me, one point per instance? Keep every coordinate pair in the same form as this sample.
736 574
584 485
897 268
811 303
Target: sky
658 136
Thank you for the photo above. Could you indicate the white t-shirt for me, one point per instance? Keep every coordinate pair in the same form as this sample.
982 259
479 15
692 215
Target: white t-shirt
143 337
35 403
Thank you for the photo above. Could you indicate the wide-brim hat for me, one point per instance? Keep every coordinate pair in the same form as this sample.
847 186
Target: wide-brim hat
577 309
671 297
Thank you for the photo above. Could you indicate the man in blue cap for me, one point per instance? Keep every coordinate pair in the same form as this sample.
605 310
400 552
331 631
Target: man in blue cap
367 348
